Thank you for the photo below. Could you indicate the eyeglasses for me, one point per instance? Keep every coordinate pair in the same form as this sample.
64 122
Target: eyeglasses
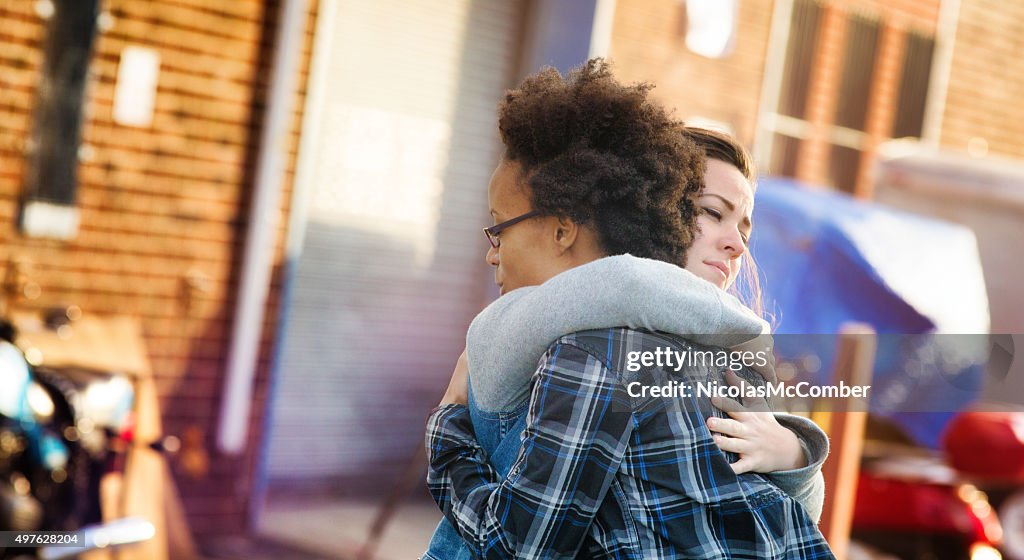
494 231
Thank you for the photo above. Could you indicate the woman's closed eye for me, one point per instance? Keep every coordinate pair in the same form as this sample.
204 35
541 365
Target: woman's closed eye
713 213
717 215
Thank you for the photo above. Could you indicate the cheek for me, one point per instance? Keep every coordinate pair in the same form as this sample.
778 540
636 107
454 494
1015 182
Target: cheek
705 229
514 261
706 226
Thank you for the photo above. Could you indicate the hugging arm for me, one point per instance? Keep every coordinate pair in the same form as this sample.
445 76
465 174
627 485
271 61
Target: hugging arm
620 291
789 449
577 431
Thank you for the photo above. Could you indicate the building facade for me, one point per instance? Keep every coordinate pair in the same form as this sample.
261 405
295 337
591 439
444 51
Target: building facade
814 86
162 208
377 260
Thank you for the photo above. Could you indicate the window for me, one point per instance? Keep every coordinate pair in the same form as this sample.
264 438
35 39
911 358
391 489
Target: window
846 134
917 69
788 124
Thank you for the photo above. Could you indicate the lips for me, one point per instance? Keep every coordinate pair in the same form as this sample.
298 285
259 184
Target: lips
721 266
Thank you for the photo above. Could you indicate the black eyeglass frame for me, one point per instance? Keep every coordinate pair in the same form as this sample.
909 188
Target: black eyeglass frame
494 231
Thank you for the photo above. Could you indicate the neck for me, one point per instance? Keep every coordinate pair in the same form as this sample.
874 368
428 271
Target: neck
586 248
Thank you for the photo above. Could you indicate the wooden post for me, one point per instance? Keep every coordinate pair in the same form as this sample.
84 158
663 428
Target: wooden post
855 358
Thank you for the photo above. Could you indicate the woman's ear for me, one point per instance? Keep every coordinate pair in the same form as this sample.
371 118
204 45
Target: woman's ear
566 233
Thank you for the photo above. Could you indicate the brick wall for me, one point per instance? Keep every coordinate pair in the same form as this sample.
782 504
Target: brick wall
162 208
649 43
987 79
816 163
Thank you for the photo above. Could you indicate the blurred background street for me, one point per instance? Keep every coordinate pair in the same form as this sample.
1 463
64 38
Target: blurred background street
255 226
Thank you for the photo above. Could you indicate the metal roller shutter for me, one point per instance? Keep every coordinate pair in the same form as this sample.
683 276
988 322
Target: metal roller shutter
392 265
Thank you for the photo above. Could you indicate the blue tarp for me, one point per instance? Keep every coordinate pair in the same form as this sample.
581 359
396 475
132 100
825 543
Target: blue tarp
826 259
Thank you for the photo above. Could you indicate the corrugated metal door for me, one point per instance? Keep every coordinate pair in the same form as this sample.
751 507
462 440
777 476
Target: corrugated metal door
392 267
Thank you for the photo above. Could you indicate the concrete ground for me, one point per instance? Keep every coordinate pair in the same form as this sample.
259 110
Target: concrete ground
255 548
334 528
337 528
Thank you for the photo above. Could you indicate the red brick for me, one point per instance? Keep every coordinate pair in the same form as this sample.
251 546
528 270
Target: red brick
159 203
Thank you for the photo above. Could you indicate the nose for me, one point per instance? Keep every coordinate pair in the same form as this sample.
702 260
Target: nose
492 256
731 242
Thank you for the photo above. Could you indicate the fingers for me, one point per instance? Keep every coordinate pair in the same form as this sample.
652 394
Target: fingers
745 463
731 444
742 465
737 445
727 427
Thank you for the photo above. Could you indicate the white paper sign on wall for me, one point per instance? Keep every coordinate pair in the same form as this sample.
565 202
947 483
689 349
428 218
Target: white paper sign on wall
135 92
711 27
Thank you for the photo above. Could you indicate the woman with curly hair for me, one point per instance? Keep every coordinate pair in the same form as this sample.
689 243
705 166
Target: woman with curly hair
593 169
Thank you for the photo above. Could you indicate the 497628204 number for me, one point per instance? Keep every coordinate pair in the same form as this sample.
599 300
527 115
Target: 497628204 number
40 538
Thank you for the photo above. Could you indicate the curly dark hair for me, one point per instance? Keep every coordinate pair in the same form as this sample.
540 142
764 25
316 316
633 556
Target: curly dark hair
604 154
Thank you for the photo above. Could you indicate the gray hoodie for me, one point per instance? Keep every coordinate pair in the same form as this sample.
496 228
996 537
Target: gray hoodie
506 340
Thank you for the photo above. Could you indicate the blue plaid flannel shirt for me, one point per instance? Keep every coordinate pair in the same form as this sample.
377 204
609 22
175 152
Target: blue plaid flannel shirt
601 474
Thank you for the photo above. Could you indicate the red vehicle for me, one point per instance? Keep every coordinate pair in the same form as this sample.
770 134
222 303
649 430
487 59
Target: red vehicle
987 447
968 505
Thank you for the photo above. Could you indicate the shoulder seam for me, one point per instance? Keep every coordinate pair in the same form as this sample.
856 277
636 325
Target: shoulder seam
598 355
